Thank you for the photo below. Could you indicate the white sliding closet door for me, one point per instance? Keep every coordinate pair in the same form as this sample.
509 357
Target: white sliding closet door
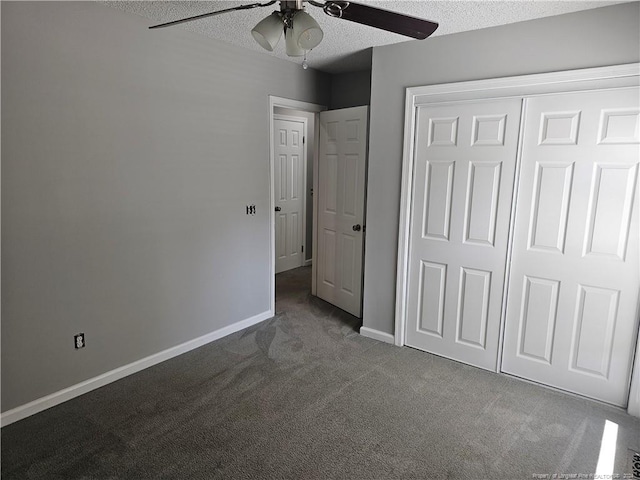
572 315
465 155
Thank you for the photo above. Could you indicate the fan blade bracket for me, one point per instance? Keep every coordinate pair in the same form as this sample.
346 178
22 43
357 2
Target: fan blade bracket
335 9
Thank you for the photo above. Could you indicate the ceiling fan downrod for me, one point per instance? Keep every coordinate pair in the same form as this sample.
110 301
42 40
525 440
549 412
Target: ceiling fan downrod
288 9
293 5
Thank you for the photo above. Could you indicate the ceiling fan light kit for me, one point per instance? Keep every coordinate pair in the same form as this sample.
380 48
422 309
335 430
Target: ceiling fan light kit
306 31
268 31
291 46
302 32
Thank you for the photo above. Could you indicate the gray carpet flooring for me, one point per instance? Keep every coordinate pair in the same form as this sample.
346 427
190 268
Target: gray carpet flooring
304 396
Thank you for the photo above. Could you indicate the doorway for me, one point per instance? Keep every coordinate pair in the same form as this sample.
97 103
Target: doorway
291 191
336 169
283 108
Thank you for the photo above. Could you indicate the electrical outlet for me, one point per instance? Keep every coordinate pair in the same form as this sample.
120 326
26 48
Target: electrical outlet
78 340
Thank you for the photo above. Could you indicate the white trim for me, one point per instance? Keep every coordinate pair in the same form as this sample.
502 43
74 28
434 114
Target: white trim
633 406
305 134
377 335
521 86
36 406
296 105
538 84
308 262
314 199
402 282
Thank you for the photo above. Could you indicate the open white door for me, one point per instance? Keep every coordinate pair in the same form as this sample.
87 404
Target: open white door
289 182
340 218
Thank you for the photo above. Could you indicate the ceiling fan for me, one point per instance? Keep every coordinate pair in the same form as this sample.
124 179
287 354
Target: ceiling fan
302 33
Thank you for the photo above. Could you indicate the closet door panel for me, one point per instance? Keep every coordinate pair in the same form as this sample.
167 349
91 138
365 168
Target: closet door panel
572 309
465 155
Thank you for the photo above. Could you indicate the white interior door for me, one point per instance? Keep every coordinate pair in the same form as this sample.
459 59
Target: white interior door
464 163
289 175
573 293
341 192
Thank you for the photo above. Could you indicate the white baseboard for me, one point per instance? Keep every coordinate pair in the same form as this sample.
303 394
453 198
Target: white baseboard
634 393
36 406
377 335
307 262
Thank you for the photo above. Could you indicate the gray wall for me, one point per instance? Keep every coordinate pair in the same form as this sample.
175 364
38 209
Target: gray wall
351 89
128 157
311 134
599 37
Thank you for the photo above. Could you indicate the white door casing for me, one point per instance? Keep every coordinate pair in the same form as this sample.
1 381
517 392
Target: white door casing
573 294
340 207
289 183
465 155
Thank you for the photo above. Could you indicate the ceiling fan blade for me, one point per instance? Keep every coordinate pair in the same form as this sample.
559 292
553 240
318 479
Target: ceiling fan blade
377 17
211 14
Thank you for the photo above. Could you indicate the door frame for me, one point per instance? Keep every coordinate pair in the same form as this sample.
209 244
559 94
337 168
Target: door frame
305 134
617 76
282 102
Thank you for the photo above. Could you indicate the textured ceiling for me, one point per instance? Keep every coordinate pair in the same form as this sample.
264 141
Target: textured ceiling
345 44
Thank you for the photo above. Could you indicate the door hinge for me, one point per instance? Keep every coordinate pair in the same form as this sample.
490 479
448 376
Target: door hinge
302 247
304 139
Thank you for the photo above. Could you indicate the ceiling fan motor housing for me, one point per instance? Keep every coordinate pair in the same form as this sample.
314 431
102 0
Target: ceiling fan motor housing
287 5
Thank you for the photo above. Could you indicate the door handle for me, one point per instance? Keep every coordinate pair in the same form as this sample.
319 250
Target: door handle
278 209
357 228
